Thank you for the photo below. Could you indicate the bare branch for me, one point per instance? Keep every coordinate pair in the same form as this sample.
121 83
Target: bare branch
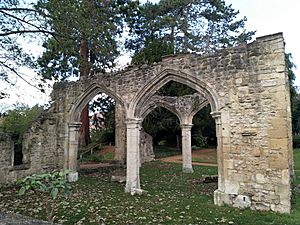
26 31
18 74
25 9
21 20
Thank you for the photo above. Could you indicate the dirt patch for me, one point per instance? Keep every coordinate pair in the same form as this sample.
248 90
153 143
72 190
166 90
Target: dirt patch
107 149
204 157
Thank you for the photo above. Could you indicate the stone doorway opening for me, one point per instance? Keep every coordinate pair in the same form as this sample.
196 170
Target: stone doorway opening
101 132
179 119
103 108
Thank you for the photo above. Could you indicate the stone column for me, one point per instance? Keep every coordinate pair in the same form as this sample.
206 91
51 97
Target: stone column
73 150
220 197
133 156
186 148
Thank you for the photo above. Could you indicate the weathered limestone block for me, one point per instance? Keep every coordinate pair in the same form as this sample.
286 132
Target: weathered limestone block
146 147
6 156
242 202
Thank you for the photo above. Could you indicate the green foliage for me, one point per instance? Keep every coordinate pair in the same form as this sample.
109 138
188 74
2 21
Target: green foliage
184 26
295 99
51 184
92 158
97 156
84 38
296 141
297 166
152 52
16 122
104 136
176 89
204 128
200 141
161 124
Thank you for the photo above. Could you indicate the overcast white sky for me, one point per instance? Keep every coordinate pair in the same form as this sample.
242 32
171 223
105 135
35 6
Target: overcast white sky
264 16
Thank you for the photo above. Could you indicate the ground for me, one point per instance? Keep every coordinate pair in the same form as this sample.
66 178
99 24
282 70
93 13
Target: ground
172 197
204 157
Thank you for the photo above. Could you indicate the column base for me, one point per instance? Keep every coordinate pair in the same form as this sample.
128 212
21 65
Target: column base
187 170
73 176
135 191
221 198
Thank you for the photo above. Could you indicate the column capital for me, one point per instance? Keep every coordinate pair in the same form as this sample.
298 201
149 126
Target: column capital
75 125
186 126
215 114
133 122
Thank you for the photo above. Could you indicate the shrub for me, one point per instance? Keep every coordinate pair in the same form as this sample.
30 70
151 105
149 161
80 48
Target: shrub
47 187
296 141
200 141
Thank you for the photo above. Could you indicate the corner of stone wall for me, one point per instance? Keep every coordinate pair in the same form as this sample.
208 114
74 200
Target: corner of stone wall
6 156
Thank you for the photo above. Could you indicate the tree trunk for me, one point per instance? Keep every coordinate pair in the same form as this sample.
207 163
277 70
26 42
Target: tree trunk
84 137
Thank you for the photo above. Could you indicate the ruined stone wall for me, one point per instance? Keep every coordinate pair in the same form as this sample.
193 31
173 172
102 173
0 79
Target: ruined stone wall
256 127
247 89
6 156
146 147
40 152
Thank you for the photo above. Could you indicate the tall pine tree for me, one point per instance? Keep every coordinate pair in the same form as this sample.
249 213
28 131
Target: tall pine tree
85 40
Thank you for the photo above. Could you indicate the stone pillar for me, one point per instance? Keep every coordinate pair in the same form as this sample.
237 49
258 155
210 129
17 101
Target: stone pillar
73 151
186 148
133 156
220 197
120 134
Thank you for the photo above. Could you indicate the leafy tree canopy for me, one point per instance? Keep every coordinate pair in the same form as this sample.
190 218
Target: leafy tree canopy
86 34
173 26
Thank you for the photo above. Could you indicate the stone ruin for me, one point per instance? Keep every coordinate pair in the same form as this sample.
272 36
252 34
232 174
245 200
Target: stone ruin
247 88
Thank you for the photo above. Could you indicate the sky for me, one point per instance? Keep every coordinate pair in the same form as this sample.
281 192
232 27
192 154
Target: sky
264 16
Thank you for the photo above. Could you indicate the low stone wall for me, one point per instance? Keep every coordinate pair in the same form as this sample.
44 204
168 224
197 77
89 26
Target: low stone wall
40 152
146 147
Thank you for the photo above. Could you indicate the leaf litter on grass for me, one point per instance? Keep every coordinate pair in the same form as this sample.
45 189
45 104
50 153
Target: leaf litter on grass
171 198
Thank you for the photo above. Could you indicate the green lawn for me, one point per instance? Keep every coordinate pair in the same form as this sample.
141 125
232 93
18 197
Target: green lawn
297 165
172 198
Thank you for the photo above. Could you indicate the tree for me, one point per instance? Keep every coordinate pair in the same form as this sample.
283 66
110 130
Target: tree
85 40
17 21
198 26
295 100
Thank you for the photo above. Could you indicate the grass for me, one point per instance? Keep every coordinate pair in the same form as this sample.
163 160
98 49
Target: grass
297 165
165 151
206 160
96 157
172 198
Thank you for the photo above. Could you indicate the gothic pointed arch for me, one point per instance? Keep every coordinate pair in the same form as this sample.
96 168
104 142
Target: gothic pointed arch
87 95
164 77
